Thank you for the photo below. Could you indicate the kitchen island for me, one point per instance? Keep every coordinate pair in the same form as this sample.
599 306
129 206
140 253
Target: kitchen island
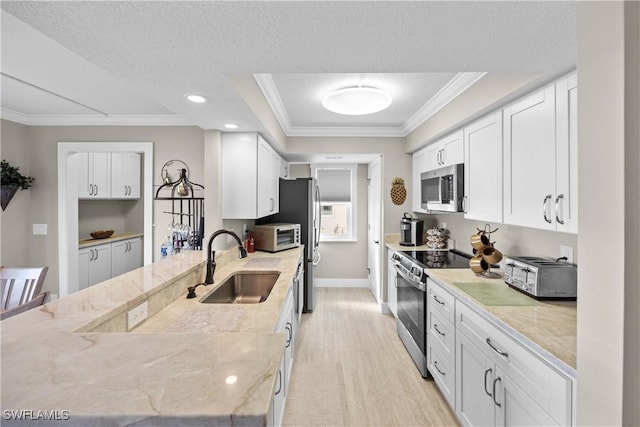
77 361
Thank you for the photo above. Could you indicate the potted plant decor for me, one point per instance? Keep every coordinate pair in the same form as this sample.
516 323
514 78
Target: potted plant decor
12 180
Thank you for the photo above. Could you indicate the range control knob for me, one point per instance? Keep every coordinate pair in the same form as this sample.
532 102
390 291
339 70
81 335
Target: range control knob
416 271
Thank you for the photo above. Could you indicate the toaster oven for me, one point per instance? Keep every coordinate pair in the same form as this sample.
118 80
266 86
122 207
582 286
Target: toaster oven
276 236
541 278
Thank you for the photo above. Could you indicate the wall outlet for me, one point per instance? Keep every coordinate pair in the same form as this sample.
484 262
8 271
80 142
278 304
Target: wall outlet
39 229
567 251
244 231
136 315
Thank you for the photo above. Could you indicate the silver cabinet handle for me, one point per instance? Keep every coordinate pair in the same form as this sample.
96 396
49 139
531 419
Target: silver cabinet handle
90 254
96 193
486 373
494 391
464 204
279 382
435 327
558 199
290 333
501 353
544 207
435 297
435 365
97 254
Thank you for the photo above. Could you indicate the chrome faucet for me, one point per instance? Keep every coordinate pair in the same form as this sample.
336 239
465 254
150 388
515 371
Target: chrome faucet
211 255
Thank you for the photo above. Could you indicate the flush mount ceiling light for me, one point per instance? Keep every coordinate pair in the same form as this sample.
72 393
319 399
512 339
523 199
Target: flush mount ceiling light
231 126
196 98
357 101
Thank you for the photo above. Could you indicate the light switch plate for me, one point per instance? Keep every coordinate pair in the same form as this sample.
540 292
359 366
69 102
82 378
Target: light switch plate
136 315
39 229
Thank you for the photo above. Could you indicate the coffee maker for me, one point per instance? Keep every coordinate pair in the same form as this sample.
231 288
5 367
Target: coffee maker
411 230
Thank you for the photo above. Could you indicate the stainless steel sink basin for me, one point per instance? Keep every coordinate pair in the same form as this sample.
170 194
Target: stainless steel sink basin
243 287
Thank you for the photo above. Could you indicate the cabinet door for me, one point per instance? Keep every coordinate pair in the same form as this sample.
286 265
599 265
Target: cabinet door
134 260
483 169
85 186
474 384
84 258
119 254
529 166
420 164
566 201
268 176
100 172
100 266
515 408
391 285
434 156
125 175
453 149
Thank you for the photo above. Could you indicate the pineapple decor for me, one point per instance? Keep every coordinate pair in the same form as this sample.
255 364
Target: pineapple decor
398 192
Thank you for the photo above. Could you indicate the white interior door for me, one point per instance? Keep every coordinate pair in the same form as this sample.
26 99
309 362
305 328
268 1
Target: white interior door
374 231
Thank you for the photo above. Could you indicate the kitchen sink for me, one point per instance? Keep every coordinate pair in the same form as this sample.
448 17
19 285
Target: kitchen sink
243 287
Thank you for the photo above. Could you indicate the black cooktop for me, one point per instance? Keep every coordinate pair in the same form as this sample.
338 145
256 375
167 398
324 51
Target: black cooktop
440 259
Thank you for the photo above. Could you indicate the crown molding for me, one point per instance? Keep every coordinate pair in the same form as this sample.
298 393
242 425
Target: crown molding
268 87
456 86
92 120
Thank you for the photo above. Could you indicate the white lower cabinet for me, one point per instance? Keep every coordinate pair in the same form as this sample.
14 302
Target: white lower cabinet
287 324
94 265
441 340
500 382
126 255
391 284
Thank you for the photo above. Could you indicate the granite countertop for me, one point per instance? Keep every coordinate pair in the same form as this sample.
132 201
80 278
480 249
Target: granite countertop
74 356
547 328
85 243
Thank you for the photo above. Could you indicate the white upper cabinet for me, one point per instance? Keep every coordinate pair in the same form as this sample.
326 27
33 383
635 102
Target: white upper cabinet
446 151
540 159
483 169
529 166
419 165
250 174
125 175
566 201
94 175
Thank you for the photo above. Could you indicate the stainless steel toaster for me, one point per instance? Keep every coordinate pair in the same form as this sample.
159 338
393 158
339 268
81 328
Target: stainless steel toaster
541 278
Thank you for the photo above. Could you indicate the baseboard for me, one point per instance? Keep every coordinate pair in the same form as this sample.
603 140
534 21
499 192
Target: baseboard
342 283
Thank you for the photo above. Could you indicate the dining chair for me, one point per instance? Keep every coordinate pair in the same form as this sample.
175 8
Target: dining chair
20 285
38 300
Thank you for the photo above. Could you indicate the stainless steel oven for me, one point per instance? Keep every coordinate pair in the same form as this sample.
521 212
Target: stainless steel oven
411 282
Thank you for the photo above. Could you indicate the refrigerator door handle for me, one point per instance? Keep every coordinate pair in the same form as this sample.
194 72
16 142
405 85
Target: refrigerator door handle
316 258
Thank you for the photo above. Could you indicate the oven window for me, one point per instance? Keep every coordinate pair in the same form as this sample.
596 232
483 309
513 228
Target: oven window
286 237
411 311
431 190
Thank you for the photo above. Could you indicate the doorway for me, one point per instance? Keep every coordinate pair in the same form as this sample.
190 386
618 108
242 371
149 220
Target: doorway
374 229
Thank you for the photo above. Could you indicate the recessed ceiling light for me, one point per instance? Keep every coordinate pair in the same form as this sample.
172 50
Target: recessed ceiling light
231 126
357 101
196 98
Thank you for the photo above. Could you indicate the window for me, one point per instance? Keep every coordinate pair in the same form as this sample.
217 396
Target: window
337 185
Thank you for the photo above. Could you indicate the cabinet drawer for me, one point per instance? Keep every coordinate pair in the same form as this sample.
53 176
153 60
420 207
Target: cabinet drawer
442 368
442 331
550 389
441 301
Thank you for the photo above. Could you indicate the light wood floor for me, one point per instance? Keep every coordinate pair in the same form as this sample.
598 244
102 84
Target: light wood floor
351 369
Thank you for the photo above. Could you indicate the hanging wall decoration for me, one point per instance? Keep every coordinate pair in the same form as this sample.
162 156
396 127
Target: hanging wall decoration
11 181
398 191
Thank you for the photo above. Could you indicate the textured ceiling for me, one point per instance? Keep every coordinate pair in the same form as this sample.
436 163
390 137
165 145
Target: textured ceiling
139 58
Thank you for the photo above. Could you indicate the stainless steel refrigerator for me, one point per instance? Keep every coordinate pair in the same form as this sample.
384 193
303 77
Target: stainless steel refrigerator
300 204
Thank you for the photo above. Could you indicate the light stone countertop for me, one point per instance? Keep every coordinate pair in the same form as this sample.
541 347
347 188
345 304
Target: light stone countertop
74 357
548 329
85 243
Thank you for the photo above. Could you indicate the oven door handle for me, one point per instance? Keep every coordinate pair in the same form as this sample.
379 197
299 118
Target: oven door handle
412 281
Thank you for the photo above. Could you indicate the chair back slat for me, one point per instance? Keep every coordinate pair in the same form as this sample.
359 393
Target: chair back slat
20 285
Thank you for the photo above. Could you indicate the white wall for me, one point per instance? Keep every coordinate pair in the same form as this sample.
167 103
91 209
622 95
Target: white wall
38 149
607 364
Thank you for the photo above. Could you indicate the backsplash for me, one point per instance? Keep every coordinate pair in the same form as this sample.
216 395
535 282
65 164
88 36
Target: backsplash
510 239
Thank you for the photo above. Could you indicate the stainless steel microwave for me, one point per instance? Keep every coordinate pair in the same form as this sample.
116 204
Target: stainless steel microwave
443 189
276 236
